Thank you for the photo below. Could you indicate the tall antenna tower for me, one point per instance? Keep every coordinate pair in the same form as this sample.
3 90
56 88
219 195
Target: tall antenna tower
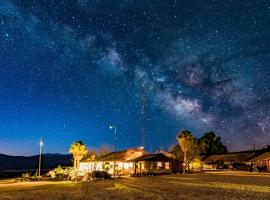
142 115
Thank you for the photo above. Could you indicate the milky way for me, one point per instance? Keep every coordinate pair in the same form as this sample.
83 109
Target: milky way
70 68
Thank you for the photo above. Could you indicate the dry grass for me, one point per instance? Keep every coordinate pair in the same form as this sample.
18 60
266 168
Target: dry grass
200 186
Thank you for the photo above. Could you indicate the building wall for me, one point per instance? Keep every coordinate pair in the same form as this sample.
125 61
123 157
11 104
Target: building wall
262 163
122 168
146 167
88 167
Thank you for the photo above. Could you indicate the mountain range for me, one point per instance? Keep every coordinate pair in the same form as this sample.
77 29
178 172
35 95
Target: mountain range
49 161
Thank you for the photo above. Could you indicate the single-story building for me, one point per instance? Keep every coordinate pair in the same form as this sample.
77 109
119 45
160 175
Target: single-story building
122 160
153 164
242 160
129 162
262 161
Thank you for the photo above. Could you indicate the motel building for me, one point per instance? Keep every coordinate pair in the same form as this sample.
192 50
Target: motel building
128 162
242 160
262 160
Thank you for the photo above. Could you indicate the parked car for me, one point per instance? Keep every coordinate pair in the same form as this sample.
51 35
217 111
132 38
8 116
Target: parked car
240 166
262 168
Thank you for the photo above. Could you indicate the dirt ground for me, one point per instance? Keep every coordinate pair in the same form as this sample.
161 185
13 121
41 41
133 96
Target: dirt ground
227 185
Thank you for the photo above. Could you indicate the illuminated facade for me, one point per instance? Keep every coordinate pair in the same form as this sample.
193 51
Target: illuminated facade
123 161
243 160
128 162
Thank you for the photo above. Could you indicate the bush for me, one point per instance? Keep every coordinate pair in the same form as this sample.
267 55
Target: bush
58 173
36 178
26 176
52 174
96 175
100 175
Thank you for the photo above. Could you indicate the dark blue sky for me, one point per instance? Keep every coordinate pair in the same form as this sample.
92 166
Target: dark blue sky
69 68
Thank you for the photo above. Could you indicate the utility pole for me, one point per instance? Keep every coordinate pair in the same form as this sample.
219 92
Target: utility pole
114 127
142 114
39 163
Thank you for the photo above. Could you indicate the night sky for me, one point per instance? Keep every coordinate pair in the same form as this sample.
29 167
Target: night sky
69 68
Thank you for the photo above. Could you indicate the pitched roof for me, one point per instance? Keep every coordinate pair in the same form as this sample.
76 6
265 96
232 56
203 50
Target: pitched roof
119 155
124 155
263 156
168 154
153 157
242 156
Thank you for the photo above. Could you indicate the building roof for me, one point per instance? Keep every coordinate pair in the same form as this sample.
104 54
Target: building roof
124 155
239 157
263 156
168 154
119 156
153 157
242 156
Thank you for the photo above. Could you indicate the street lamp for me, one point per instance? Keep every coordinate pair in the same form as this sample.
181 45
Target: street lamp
114 127
39 163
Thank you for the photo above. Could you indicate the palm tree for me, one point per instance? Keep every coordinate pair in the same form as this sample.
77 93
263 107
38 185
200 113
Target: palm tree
185 140
78 150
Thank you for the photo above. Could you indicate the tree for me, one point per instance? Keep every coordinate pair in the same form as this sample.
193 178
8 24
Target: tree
211 144
189 147
78 150
177 152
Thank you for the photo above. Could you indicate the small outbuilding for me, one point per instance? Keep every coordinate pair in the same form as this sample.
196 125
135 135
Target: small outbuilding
152 164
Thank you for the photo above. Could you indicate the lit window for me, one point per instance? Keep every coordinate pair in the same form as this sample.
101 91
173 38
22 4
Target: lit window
159 165
167 165
126 165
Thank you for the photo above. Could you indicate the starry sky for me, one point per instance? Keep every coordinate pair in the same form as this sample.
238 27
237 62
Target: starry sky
69 68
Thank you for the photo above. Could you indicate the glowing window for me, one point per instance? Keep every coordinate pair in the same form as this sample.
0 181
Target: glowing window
167 165
159 165
126 165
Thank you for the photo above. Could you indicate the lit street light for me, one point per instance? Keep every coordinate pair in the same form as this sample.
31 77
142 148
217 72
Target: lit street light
114 127
39 163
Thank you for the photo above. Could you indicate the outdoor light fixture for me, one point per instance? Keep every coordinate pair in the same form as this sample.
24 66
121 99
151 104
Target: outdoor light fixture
41 143
114 127
111 126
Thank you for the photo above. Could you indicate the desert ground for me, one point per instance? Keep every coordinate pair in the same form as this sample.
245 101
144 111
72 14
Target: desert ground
218 185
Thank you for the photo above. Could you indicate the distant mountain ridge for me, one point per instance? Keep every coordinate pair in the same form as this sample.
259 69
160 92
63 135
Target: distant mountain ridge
49 161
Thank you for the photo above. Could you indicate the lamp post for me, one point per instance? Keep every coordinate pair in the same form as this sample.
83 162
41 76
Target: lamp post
39 163
114 127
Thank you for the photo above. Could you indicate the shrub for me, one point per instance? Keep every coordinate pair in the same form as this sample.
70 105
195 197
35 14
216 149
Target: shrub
25 176
100 175
52 174
61 174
